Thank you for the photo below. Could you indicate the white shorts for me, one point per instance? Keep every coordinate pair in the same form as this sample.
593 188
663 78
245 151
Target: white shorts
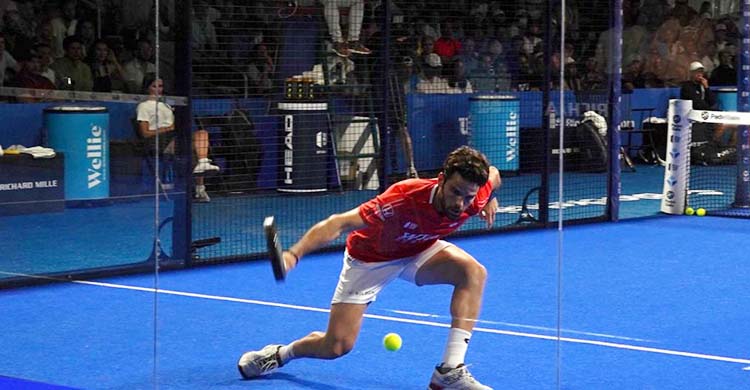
361 282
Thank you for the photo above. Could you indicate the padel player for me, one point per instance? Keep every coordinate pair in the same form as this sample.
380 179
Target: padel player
398 235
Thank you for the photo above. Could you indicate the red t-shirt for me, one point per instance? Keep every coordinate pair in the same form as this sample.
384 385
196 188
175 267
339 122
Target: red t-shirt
446 47
402 221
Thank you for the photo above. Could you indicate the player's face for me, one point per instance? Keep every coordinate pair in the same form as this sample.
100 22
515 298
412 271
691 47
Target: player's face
455 195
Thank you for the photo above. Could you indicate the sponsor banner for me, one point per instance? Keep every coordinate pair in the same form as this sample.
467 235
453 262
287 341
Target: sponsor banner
677 159
727 117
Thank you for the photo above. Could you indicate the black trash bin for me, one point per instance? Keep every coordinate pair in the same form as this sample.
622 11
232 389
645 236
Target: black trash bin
304 147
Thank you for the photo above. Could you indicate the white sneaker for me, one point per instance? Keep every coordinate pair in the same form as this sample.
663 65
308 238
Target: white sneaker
201 195
256 363
458 378
204 165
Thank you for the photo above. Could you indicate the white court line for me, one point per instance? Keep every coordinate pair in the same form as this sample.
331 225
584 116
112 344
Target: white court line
534 327
428 323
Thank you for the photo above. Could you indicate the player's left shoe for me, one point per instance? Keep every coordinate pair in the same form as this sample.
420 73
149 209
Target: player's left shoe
458 378
256 363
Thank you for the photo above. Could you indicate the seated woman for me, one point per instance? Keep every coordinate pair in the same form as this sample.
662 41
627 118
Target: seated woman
146 115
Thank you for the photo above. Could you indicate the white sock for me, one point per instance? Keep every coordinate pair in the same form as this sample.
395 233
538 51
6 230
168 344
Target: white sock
200 188
204 160
455 349
286 353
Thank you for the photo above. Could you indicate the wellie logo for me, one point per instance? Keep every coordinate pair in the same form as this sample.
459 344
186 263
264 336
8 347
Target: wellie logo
95 155
511 133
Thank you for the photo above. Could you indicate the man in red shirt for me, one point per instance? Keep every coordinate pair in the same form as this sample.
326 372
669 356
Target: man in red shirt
398 235
447 46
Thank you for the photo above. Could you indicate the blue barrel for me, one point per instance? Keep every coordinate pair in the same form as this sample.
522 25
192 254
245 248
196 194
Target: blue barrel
304 147
727 98
82 134
494 125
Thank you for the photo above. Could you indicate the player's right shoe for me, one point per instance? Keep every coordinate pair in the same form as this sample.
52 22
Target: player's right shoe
458 378
256 363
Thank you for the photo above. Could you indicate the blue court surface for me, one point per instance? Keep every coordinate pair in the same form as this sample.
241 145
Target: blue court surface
657 303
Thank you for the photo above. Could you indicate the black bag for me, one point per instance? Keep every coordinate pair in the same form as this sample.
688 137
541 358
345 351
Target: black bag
242 152
238 147
585 150
711 153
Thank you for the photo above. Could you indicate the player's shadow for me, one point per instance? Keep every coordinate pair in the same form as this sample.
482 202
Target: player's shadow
308 384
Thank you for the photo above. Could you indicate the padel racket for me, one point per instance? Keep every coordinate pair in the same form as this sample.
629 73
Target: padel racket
275 252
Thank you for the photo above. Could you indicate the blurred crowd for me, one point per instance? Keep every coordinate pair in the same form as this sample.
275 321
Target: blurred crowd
435 46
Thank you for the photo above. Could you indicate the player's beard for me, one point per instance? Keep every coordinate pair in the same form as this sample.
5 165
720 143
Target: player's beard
452 213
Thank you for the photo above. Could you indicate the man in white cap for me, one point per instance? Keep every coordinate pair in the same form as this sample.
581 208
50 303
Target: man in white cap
696 89
432 70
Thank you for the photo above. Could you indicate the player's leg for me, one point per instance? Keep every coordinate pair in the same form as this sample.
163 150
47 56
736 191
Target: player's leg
359 284
454 266
344 324
451 265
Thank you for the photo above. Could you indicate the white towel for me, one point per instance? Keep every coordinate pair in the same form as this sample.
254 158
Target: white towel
39 152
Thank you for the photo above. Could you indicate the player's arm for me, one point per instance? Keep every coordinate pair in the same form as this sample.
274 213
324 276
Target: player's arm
495 178
488 211
324 232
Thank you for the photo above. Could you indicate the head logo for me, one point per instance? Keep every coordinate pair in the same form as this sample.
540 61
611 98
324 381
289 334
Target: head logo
385 211
704 115
676 119
670 195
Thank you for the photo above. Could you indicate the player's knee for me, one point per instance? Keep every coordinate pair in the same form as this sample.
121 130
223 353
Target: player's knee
475 273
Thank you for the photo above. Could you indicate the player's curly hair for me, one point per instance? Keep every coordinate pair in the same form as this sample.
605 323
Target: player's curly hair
470 163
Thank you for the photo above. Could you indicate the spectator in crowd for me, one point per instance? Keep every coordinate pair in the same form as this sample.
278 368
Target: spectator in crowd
495 51
673 54
106 69
63 26
469 55
703 98
333 19
706 11
135 69
632 75
6 61
44 51
572 80
721 38
489 78
154 116
483 78
86 31
635 37
426 47
725 73
408 75
433 82
653 13
531 38
260 70
44 36
447 46
457 80
593 79
20 25
71 72
423 29
28 76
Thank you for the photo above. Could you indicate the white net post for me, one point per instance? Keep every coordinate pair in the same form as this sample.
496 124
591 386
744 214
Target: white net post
678 156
